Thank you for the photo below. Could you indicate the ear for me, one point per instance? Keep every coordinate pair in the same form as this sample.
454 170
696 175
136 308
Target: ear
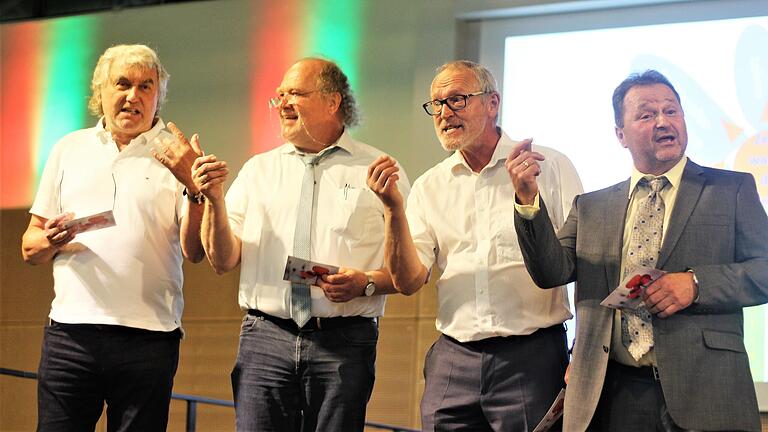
620 135
333 101
493 104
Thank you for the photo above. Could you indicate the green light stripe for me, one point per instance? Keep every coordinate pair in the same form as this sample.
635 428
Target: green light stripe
68 50
334 31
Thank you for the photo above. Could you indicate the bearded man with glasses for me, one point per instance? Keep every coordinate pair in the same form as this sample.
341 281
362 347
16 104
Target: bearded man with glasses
501 356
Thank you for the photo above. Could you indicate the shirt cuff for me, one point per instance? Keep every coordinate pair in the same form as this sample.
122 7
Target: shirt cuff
528 212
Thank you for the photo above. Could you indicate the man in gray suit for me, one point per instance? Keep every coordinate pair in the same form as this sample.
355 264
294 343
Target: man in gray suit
690 371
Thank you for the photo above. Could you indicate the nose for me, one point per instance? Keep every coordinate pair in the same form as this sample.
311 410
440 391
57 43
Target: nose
661 121
133 93
445 111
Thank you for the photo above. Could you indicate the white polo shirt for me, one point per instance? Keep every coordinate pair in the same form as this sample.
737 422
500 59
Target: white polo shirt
464 222
348 227
129 274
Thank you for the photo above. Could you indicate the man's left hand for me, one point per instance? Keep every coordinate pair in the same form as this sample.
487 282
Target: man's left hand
670 294
343 286
178 155
523 167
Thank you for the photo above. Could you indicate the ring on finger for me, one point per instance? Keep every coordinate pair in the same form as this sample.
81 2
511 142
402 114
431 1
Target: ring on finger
525 162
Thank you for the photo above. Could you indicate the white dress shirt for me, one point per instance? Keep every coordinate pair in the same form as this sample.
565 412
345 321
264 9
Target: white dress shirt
129 274
463 222
347 229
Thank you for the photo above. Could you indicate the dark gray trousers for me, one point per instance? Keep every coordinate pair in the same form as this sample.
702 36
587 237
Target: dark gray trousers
503 384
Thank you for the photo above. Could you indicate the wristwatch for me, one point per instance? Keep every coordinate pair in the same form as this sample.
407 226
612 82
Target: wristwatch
197 198
370 287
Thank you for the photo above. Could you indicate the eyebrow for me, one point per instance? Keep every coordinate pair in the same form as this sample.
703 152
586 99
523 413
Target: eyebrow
652 105
123 77
290 89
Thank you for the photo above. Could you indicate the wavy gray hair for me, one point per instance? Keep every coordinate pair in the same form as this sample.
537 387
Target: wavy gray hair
333 80
133 55
483 75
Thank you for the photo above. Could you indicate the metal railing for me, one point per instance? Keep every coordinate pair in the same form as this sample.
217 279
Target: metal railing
192 402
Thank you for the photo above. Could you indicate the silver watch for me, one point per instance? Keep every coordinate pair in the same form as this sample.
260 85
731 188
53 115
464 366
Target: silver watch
370 287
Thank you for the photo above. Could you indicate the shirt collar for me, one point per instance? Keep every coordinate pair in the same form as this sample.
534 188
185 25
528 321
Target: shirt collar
143 138
345 142
674 175
500 153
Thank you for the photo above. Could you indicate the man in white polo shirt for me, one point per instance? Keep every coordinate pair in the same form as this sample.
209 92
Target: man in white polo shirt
115 321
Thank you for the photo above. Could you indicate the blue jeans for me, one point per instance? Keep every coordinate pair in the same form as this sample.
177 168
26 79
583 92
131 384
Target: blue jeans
286 379
84 365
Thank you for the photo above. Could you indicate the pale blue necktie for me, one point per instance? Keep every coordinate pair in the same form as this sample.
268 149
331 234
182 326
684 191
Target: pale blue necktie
644 245
301 299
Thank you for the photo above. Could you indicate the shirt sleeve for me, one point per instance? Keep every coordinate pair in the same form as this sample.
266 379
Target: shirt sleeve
570 185
403 184
237 200
46 203
421 233
528 212
558 186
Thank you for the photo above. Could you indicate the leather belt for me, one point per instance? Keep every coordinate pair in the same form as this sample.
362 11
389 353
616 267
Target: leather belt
314 323
644 372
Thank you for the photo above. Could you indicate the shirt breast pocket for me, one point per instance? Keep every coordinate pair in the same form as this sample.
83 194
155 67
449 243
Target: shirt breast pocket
356 215
507 248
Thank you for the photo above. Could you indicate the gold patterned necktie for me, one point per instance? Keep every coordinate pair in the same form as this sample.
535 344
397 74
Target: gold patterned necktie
644 245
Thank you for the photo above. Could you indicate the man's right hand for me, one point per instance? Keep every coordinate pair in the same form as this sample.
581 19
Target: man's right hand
44 238
382 180
209 175
55 231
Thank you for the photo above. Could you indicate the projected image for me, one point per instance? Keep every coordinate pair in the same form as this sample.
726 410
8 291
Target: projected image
558 87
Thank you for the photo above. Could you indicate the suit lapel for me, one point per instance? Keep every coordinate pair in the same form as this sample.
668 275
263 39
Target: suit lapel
691 186
616 204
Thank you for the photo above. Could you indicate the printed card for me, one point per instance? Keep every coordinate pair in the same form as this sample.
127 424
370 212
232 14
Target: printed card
554 413
307 272
628 294
93 222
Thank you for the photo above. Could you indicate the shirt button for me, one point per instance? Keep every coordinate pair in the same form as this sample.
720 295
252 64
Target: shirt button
605 349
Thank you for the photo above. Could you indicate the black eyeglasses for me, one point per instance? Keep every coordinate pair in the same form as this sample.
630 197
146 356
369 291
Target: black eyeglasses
455 103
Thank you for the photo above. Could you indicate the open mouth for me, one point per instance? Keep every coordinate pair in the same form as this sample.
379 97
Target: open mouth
449 129
663 139
289 116
132 111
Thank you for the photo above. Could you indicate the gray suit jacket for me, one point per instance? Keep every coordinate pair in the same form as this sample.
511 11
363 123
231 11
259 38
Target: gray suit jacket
719 228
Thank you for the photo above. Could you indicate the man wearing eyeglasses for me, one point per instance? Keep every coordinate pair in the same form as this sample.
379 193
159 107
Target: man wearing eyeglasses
500 360
115 321
306 354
